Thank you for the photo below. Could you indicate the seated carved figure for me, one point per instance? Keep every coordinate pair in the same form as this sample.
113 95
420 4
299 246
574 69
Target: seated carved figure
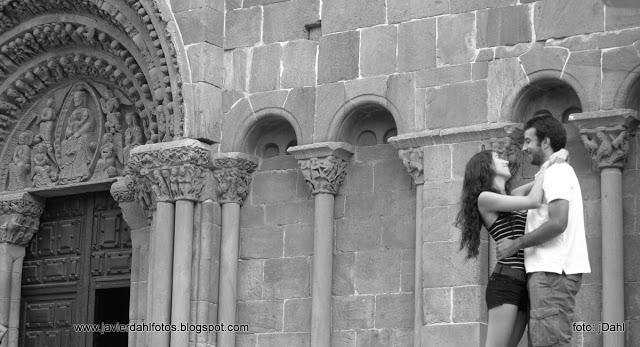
20 165
108 164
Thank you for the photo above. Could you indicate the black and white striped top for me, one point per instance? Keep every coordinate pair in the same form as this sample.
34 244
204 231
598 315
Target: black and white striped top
510 225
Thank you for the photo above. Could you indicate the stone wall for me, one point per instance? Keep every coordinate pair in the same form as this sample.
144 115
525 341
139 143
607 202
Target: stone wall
433 65
373 269
276 244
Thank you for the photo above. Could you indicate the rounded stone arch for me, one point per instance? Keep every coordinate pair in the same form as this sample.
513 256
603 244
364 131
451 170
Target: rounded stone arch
120 52
345 123
547 90
628 93
259 132
547 93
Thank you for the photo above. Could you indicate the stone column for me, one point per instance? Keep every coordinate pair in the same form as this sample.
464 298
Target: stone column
163 174
413 160
606 136
233 173
19 221
323 166
138 219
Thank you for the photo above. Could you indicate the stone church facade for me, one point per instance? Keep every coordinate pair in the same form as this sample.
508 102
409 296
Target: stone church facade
294 166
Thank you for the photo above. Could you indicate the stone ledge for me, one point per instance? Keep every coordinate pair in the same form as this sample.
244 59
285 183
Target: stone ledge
470 133
322 149
617 118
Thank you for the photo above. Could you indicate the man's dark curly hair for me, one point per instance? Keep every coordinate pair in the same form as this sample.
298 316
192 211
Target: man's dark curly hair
548 126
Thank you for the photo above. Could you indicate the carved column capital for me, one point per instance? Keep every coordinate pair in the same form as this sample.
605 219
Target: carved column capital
19 217
323 165
413 160
233 172
168 171
606 135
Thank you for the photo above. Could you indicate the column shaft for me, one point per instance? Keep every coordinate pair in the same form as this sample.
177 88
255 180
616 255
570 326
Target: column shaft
6 272
612 253
228 271
182 251
322 270
161 272
417 317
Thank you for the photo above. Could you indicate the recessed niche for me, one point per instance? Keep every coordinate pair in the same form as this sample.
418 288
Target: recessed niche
270 137
368 125
547 96
559 99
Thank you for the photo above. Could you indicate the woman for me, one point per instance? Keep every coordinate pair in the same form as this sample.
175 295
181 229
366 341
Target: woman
485 203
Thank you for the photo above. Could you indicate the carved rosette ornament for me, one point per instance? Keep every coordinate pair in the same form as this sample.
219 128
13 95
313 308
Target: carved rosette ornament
233 173
168 171
19 218
323 165
606 135
413 160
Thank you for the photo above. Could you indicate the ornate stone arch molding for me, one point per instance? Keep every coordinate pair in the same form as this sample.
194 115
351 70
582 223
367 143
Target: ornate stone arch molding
83 82
342 115
545 82
245 134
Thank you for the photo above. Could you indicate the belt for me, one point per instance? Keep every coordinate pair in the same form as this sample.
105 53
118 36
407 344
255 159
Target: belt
508 271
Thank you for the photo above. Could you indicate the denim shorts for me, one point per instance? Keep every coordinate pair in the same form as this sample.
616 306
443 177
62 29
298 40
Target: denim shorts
503 289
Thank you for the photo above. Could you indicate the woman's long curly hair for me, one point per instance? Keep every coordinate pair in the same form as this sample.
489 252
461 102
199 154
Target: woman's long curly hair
478 177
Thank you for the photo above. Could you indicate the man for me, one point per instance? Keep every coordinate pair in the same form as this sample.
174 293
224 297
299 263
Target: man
554 242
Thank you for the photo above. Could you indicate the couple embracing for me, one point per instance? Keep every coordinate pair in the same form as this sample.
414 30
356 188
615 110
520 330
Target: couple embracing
542 253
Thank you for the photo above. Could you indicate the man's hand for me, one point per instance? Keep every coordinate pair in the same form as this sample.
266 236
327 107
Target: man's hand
506 248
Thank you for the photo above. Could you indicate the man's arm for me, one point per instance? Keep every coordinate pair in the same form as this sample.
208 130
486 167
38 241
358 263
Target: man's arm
556 225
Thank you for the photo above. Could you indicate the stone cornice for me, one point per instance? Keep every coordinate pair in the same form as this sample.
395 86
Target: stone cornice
504 138
606 135
19 217
323 165
233 172
471 133
169 171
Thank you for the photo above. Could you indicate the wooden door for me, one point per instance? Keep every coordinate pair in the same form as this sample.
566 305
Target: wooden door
83 244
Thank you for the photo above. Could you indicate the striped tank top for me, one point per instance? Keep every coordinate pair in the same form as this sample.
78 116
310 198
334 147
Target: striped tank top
510 225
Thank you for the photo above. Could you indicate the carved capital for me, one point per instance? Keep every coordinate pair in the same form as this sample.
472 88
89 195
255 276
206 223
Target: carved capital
413 160
233 172
168 171
606 135
19 217
123 190
323 165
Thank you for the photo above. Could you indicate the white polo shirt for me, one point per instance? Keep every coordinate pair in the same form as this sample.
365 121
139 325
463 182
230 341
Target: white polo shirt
568 251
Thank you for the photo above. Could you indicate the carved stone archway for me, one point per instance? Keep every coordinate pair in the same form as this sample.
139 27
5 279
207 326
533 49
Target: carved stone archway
83 82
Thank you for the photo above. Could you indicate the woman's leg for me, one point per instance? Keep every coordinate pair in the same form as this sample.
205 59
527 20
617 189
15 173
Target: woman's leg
501 323
522 318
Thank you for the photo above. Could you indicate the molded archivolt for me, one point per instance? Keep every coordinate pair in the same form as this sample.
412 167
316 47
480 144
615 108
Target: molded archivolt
555 96
115 55
367 125
121 42
268 135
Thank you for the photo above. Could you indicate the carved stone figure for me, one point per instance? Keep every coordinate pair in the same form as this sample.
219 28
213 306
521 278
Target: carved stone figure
46 121
108 164
20 166
76 152
112 125
133 136
44 170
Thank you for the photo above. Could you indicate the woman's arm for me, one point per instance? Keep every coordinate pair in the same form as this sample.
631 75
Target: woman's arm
523 189
494 202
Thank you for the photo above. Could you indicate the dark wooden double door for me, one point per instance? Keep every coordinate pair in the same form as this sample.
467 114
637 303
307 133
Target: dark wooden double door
76 270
